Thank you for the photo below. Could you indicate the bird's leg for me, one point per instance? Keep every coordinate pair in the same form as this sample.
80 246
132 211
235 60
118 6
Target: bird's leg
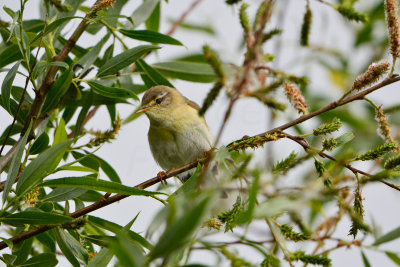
163 177
208 152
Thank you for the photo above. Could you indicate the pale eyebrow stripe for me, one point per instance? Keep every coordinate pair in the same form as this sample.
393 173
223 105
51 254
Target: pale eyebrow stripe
163 94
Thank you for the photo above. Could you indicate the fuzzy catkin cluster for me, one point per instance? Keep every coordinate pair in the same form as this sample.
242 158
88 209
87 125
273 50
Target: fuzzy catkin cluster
374 72
295 98
384 128
392 20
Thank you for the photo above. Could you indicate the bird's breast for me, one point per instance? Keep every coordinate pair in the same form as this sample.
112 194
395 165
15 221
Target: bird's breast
175 146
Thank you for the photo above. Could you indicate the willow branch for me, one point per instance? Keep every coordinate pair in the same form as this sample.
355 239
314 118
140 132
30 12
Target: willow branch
23 92
104 201
61 56
49 78
306 146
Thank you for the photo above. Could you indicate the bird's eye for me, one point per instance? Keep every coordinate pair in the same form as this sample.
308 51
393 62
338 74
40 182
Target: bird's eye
158 100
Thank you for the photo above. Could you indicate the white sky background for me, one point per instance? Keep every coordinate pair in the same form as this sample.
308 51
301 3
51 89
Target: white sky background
130 155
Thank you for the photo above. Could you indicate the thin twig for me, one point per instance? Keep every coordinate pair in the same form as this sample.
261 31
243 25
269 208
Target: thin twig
253 53
306 146
51 74
49 80
183 16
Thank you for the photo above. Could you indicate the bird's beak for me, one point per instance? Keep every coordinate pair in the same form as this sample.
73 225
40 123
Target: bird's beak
144 109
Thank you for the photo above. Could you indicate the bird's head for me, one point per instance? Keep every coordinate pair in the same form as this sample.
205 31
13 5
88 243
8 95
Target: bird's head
159 101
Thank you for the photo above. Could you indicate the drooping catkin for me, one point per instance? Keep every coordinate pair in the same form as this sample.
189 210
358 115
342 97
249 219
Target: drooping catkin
212 95
377 152
328 127
351 14
295 98
244 19
214 61
374 72
306 27
100 4
384 127
392 21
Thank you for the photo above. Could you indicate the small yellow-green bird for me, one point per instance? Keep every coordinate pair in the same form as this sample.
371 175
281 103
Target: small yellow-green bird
177 134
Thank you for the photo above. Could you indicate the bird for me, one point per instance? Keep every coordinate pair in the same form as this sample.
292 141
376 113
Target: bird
177 135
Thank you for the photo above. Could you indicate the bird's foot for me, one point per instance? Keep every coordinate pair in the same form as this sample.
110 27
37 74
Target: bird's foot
208 152
163 177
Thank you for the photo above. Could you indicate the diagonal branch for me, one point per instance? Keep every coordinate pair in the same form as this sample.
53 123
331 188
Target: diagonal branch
183 17
61 56
50 76
306 146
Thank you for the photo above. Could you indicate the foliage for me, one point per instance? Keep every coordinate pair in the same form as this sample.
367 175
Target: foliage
49 158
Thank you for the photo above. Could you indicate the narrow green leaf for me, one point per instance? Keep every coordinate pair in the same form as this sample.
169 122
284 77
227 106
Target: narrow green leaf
180 231
187 71
6 87
90 196
15 164
35 217
82 114
86 160
127 251
201 28
273 207
90 57
100 240
40 144
112 92
153 76
77 169
108 54
393 256
44 259
124 59
22 251
108 169
63 194
98 185
69 247
143 12
365 260
40 167
61 134
16 93
101 259
133 116
9 243
115 228
9 259
344 138
33 25
48 241
191 184
247 215
57 90
10 55
42 65
153 22
392 235
150 36
54 25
